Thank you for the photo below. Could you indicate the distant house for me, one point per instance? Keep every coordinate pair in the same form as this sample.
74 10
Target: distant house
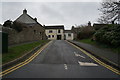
68 35
98 26
75 31
55 32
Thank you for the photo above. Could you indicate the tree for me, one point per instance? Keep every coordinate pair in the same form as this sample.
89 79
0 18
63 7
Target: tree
18 26
86 32
110 11
8 23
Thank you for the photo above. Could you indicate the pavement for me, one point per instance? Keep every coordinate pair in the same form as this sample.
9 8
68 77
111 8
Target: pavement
109 56
62 60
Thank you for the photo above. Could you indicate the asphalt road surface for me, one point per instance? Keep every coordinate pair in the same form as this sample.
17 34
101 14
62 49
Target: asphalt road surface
62 60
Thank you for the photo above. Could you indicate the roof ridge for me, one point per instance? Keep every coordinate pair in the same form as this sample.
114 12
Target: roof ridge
29 17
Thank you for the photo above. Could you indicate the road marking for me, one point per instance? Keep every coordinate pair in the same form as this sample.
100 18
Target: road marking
97 60
25 62
65 65
78 55
87 64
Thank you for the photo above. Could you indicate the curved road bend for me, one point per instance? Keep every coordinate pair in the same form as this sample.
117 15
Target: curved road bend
62 60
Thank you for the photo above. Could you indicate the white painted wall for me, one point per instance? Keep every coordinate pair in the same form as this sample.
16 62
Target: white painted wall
55 33
69 37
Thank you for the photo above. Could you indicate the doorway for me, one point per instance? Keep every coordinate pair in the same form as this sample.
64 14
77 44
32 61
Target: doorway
59 37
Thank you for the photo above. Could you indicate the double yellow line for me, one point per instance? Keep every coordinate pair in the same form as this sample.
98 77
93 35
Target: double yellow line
97 60
23 63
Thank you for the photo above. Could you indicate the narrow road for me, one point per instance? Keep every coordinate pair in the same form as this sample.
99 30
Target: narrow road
61 60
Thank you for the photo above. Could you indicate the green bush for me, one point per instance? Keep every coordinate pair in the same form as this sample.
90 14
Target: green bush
109 35
8 23
18 26
85 33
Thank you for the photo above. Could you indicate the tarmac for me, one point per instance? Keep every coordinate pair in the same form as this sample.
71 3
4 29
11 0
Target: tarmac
105 54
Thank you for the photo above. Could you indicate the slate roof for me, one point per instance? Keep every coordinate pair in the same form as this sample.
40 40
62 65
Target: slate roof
55 27
27 19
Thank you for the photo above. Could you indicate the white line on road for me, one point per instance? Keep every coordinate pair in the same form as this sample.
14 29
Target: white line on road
65 65
78 55
87 64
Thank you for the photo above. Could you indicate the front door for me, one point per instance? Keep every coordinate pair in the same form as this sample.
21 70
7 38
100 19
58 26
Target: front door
59 37
64 37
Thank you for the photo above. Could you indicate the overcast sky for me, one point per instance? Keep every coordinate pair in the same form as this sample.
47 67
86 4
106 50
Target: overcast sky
67 13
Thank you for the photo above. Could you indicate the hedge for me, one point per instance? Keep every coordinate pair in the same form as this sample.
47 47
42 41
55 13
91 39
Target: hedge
109 34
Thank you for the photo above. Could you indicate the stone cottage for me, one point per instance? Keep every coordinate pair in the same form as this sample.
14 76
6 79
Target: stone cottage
31 31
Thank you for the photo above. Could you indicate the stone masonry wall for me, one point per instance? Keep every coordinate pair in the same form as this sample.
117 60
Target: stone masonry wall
30 33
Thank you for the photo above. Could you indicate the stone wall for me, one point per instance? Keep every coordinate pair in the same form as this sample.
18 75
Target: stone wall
29 33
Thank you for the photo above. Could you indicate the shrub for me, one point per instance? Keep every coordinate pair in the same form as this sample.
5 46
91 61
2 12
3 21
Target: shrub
18 26
86 32
109 35
8 23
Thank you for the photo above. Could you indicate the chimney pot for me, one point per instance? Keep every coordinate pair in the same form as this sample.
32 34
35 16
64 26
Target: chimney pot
24 11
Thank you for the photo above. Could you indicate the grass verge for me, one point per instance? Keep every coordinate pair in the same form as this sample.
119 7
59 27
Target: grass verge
100 45
19 50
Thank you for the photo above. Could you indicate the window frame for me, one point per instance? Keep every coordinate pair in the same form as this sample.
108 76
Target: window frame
52 36
59 31
50 31
35 31
49 36
69 35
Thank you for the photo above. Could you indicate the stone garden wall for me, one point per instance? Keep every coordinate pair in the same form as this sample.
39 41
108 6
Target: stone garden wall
28 34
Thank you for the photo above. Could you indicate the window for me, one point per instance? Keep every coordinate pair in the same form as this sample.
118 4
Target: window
58 31
40 33
48 36
69 35
34 31
50 31
52 35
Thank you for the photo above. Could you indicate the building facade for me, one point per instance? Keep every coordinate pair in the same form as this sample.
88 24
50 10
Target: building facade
68 35
55 32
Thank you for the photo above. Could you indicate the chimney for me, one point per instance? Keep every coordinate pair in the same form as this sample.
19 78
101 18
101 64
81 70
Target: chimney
24 11
35 19
89 23
72 27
